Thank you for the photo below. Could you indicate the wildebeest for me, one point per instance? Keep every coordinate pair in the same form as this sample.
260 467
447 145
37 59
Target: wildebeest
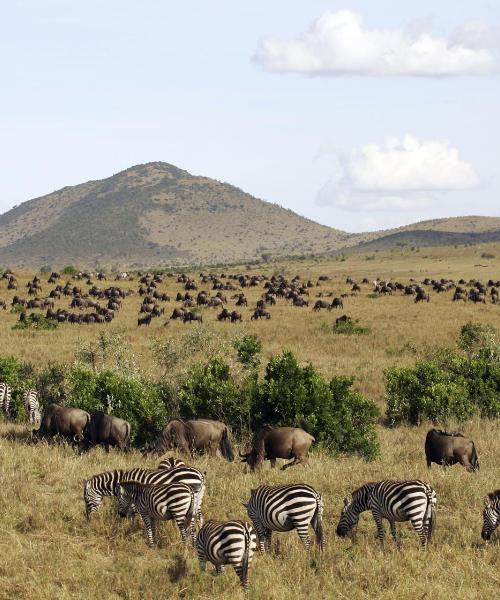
196 435
337 303
260 313
146 320
422 296
192 316
107 430
270 443
63 420
319 304
446 449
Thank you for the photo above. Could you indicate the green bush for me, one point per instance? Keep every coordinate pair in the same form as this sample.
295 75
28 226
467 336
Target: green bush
340 419
209 391
20 376
69 270
248 347
35 321
136 400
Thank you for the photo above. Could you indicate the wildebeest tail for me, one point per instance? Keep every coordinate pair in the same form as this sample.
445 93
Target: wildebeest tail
430 513
225 446
474 458
317 522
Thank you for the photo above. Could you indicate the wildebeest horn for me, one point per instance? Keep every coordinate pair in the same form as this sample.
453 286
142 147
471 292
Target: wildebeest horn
244 455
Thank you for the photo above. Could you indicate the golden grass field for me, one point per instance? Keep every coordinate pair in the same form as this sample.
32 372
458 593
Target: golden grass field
48 549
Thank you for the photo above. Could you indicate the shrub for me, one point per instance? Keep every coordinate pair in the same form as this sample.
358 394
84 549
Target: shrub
350 328
248 347
209 391
69 270
35 321
20 376
339 418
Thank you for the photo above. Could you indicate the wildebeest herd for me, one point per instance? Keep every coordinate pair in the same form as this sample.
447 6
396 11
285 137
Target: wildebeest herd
102 303
175 490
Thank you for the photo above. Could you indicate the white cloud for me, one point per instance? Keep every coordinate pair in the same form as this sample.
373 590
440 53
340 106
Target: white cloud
397 175
337 44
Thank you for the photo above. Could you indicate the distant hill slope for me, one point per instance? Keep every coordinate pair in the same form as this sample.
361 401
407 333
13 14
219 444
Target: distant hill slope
158 214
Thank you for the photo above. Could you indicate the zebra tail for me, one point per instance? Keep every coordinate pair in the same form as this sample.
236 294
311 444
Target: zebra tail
246 558
430 513
225 446
188 519
317 523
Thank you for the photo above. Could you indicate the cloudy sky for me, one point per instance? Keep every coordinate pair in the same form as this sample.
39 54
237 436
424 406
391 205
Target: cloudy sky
358 114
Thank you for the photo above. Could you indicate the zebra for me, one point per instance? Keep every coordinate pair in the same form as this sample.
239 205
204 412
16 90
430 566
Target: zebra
227 543
413 501
171 463
5 398
491 514
31 405
283 508
105 484
158 503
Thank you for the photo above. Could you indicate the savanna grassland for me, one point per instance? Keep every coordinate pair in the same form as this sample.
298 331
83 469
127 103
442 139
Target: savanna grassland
49 550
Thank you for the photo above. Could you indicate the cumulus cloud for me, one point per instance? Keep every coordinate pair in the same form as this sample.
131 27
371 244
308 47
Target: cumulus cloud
398 175
338 44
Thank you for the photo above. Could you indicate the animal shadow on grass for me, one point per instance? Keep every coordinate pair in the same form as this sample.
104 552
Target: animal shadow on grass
178 569
23 437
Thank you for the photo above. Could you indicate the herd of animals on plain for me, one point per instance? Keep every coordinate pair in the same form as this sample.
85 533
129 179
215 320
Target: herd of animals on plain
175 491
105 302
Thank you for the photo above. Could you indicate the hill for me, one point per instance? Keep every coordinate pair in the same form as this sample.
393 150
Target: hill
158 214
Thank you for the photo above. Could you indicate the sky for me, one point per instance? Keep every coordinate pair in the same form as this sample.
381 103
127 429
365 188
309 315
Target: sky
360 115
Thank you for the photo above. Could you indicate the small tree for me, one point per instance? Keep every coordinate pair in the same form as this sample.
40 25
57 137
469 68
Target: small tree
248 348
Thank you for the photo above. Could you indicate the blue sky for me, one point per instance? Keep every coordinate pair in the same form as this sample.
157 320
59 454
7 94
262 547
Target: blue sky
330 108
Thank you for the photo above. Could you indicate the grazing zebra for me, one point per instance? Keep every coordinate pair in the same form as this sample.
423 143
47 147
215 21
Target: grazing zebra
106 484
5 398
171 463
283 508
227 543
158 503
491 514
413 501
31 405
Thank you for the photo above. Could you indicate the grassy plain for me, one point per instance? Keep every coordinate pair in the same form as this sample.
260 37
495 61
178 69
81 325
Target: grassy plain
49 551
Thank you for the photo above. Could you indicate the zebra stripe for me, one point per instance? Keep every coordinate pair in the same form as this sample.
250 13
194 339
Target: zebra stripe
5 398
158 503
283 508
413 501
31 405
171 462
491 514
106 484
227 543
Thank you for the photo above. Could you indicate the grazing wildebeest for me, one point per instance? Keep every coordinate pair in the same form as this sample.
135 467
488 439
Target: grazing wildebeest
422 296
191 316
444 448
260 313
337 303
107 430
270 443
196 435
343 319
177 313
235 316
63 420
146 320
319 304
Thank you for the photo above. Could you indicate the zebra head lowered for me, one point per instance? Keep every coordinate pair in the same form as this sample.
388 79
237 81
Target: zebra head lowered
491 514
354 505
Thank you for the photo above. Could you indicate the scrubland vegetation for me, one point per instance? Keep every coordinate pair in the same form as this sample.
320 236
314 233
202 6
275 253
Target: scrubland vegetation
413 364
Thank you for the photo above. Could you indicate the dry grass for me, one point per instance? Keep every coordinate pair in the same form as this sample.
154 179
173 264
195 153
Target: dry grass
49 551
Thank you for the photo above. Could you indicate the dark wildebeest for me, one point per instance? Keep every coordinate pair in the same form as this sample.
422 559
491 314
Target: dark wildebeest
146 320
446 449
193 436
106 430
192 316
422 296
260 313
337 303
343 319
319 304
63 420
270 443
